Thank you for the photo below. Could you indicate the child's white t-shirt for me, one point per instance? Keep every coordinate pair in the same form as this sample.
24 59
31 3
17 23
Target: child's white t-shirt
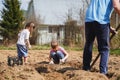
22 36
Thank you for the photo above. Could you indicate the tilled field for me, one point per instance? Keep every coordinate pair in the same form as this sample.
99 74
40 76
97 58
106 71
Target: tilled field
39 69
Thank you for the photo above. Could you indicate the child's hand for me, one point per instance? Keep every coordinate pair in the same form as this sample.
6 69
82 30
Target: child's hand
29 46
62 60
51 62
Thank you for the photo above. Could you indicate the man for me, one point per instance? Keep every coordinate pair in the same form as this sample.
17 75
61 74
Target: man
97 24
23 42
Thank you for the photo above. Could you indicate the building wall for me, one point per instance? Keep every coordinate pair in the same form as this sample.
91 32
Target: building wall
45 36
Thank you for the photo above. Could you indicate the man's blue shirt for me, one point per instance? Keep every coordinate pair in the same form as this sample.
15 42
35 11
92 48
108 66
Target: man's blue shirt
100 11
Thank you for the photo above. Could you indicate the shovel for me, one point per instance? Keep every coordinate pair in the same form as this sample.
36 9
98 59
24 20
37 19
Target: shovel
113 34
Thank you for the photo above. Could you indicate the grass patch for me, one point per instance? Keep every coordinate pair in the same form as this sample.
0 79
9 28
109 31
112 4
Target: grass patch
8 48
72 48
39 47
47 47
115 51
34 47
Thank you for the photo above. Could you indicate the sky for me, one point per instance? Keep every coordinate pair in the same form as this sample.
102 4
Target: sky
52 11
55 11
24 5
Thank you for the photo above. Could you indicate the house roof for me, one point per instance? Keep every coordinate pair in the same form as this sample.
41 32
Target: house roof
55 12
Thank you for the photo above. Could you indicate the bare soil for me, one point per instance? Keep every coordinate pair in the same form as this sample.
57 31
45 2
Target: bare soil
39 69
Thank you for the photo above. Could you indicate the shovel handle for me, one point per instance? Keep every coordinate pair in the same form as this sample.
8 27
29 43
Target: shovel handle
99 53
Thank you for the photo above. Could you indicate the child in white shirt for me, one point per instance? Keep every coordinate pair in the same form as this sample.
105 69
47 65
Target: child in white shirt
23 42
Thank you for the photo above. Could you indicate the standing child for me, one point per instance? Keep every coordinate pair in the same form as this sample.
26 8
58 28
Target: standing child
57 53
23 42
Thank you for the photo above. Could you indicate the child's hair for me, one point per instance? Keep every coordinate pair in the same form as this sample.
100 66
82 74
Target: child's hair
54 44
29 24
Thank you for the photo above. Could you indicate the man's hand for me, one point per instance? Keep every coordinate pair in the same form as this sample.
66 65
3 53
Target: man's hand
113 31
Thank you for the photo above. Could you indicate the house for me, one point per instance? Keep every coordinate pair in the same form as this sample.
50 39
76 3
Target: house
46 33
50 15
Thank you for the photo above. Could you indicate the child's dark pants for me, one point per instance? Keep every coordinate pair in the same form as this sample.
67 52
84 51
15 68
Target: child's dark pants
57 56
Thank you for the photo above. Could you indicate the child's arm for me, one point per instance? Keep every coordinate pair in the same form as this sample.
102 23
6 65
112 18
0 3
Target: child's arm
27 39
28 43
50 60
66 55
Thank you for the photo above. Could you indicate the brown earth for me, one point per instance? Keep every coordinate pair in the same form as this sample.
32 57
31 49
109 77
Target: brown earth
39 69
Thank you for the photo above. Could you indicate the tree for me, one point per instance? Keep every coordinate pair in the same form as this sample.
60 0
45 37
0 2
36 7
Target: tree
12 18
82 10
82 13
72 30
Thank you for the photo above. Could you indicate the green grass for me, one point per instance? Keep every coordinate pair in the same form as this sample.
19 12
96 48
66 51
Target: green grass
115 51
72 48
33 47
7 48
47 47
38 47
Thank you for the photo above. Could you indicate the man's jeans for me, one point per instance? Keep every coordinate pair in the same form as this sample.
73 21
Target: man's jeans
101 32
